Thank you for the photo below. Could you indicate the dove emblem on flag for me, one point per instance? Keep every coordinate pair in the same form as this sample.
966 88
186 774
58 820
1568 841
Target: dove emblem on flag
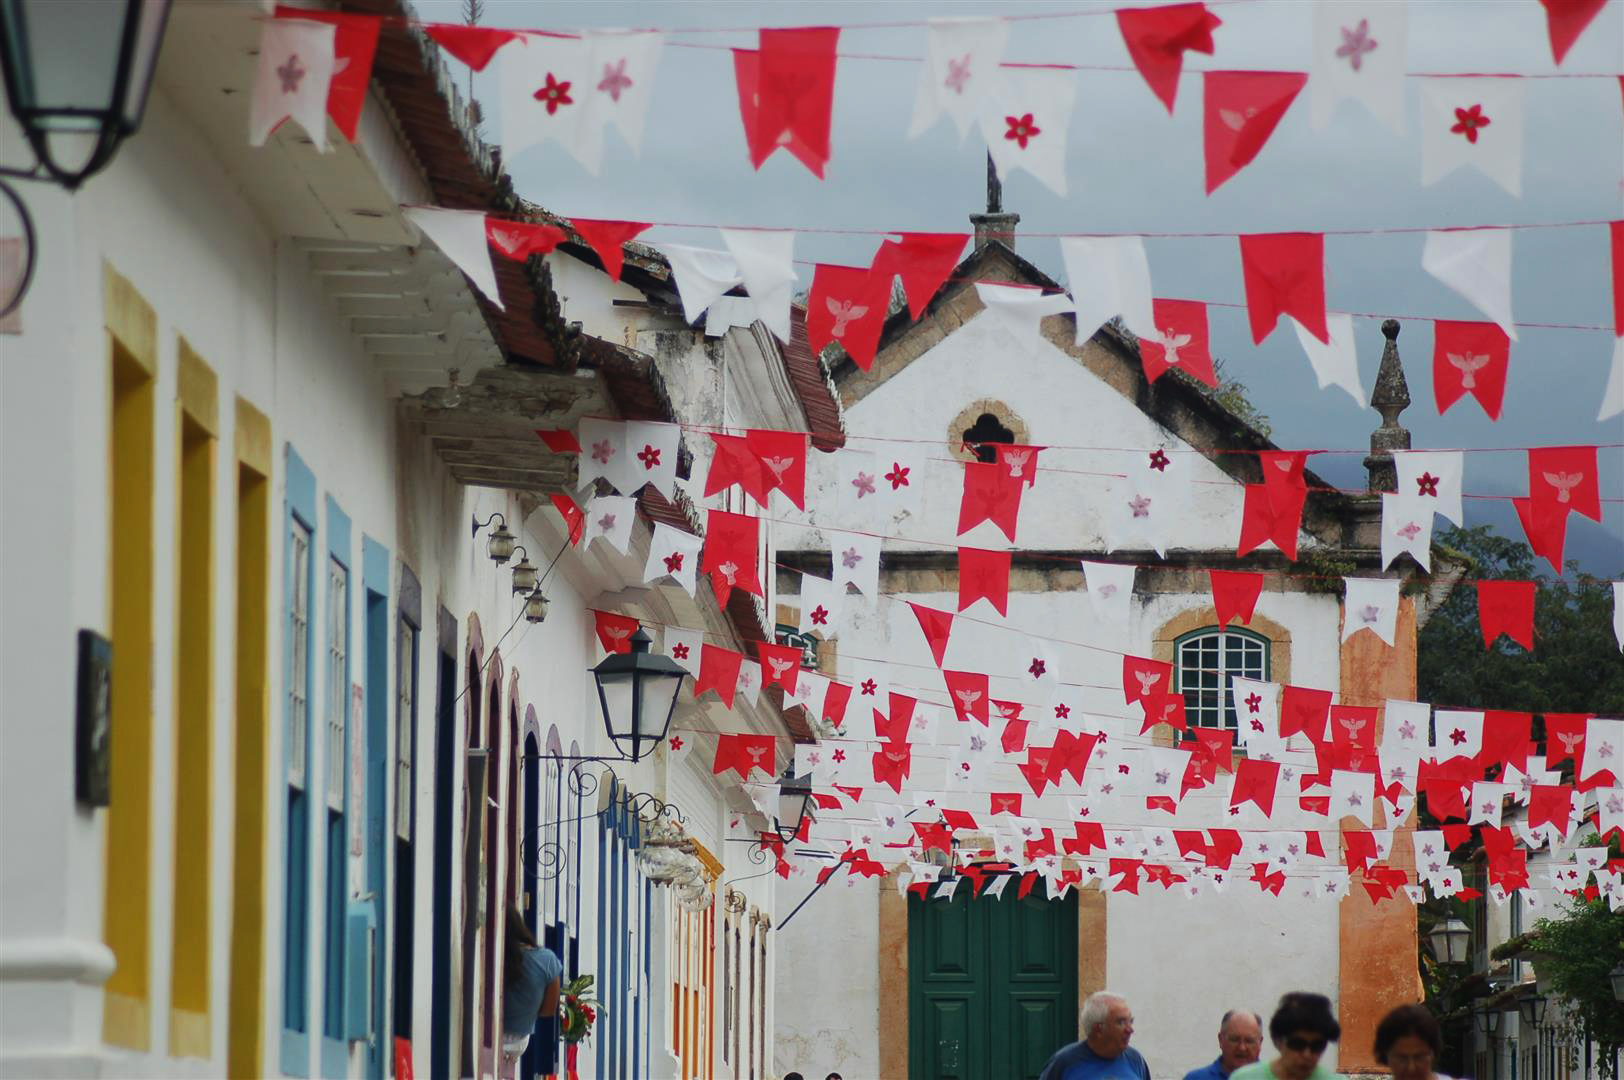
1352 725
729 571
1016 460
1570 741
755 753
1234 119
617 632
844 312
1467 364
778 465
1563 482
779 666
969 697
1172 341
1147 680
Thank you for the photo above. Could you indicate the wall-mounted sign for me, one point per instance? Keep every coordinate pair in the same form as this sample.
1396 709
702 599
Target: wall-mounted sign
93 720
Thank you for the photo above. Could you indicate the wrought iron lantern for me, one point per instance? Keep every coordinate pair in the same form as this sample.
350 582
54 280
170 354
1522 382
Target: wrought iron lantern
524 573
535 607
637 691
1532 1009
1488 1021
500 545
1449 940
78 75
1616 976
794 804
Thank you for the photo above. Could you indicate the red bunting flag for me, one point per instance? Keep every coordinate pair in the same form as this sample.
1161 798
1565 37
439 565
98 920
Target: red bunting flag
574 519
1142 678
1469 358
847 304
1546 528
718 671
780 665
1615 232
1550 804
1164 709
891 763
1222 847
1563 479
984 575
743 753
560 440
936 625
1021 461
1035 768
1234 595
1275 516
1506 607
834 704
970 695
473 45
1181 341
732 553
1069 755
1216 745
1255 783
608 239
782 455
1012 740
1565 737
615 631
518 240
1566 20
1004 802
1284 274
990 494
355 42
1305 711
1506 738
922 260
892 725
1352 728
787 93
736 463
1157 39
1240 111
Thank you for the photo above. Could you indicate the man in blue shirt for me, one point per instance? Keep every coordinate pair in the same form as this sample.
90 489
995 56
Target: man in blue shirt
1240 1041
1103 1052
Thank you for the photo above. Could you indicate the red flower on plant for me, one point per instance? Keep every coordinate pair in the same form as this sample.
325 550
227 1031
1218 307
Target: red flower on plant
1021 128
554 94
1468 121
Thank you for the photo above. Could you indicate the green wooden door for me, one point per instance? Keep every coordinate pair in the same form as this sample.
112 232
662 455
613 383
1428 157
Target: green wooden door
992 985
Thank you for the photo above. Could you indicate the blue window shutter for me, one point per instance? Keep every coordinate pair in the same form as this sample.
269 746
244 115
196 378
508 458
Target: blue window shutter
300 503
361 955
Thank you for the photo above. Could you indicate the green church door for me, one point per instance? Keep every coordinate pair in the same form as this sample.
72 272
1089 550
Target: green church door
992 984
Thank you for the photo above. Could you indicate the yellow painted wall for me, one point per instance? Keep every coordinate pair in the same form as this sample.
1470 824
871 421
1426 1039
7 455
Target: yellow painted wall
194 713
244 1028
132 337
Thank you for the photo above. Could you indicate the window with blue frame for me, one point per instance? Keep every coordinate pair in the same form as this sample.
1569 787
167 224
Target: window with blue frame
298 656
336 713
625 910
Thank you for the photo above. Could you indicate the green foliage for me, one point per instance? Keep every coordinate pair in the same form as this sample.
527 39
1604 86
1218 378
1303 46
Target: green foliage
1575 665
1231 394
1576 954
578 1010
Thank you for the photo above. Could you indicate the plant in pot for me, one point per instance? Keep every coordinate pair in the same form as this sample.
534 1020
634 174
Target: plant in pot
579 1010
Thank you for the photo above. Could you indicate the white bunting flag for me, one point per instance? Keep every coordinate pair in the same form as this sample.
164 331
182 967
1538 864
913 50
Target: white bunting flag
648 456
683 646
1404 727
603 445
1335 362
619 84
1603 750
858 494
1021 309
611 517
460 236
1352 795
1370 604
546 84
1432 477
1038 674
1110 592
810 690
1612 398
1109 276
1457 733
1476 122
766 262
821 604
1406 527
1431 855
1610 805
1359 55
291 81
727 312
1487 802
1024 121
673 553
856 562
1476 263
702 275
995 888
902 477
749 688
1257 710
961 69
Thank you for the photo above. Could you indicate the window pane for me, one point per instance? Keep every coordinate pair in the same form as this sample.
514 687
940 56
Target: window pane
299 669
1205 662
337 680
405 678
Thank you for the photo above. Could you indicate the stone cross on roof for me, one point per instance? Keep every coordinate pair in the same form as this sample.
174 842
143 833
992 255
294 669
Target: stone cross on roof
1391 397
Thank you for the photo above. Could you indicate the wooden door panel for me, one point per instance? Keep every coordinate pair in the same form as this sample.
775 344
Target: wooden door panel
949 1038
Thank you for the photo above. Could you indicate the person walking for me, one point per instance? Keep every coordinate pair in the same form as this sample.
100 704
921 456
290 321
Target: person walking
1301 1028
1103 1052
1240 1042
530 981
1408 1042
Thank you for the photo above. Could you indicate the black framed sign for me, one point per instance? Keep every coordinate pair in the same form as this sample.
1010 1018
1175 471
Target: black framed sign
94 715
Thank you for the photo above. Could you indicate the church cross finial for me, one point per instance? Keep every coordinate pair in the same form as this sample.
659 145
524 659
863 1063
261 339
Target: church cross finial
994 224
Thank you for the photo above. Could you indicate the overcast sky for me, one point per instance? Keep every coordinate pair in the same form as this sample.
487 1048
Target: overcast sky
1133 168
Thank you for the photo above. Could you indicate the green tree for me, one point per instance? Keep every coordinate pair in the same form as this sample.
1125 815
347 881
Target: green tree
1576 953
1575 665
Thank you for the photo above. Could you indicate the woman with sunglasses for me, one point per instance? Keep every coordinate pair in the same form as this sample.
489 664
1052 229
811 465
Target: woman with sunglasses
1301 1027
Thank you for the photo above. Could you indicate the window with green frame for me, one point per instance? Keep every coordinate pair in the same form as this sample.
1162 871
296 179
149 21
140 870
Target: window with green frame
1204 660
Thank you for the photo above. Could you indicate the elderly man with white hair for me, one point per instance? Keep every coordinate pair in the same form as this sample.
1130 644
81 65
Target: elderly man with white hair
1103 1052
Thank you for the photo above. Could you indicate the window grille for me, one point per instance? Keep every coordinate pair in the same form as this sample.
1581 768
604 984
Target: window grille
299 672
405 721
1205 659
337 680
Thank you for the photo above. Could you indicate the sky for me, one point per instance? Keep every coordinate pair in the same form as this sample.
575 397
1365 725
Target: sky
1133 168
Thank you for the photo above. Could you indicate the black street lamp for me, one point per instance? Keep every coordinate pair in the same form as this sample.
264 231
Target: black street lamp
1488 1021
79 68
637 691
1532 1009
1616 976
1449 940
794 804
